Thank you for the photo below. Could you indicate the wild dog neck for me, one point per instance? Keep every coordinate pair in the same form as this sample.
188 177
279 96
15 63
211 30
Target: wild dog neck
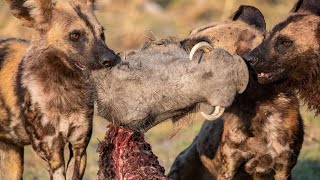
49 71
42 58
255 93
249 109
309 93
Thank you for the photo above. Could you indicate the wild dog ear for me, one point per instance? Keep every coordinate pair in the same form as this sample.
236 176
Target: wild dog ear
32 13
91 3
251 16
21 12
312 6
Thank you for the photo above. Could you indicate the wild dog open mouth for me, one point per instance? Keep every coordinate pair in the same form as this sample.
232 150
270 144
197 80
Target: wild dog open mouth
272 75
125 154
264 75
80 66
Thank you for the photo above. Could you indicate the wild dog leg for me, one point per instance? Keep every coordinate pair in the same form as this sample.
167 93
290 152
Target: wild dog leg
50 149
79 140
231 158
286 156
11 161
283 174
282 166
77 163
47 141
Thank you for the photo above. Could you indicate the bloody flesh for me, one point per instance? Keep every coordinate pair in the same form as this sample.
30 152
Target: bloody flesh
125 155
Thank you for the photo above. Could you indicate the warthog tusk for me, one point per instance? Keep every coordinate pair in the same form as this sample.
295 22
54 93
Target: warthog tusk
215 115
201 45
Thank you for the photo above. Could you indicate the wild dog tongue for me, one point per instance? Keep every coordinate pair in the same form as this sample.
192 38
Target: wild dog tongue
125 155
263 75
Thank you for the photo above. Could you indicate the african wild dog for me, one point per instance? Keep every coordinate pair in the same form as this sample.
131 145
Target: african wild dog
259 136
289 56
46 98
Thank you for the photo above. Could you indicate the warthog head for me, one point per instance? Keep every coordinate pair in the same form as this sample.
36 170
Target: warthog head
162 81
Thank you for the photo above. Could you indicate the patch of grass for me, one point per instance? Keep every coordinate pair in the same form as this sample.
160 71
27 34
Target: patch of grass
307 169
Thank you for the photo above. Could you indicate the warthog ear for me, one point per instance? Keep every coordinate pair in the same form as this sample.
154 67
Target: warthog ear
312 6
251 16
32 13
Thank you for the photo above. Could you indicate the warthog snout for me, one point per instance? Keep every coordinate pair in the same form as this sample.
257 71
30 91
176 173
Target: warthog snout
206 47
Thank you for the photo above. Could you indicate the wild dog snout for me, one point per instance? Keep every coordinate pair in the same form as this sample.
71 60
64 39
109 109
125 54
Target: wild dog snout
252 60
107 57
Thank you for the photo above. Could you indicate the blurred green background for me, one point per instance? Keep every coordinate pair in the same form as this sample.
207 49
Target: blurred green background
128 23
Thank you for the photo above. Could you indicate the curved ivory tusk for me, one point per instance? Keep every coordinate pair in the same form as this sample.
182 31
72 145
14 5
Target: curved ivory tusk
215 115
198 46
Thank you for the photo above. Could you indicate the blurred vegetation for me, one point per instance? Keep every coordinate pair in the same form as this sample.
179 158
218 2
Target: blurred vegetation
128 23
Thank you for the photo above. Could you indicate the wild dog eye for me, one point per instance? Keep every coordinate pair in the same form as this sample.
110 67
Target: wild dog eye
103 37
75 35
283 44
286 43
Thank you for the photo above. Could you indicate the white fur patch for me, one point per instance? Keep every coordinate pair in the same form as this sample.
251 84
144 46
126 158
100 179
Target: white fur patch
70 169
273 129
59 174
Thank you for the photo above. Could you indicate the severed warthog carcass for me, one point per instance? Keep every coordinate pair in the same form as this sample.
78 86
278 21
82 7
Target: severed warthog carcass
162 80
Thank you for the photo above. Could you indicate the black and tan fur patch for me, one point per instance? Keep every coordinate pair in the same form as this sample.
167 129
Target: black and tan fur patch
46 96
290 53
260 135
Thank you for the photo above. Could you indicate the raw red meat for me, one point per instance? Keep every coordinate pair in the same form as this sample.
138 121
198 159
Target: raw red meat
125 155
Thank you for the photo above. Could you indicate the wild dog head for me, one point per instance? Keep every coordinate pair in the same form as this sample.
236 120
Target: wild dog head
67 29
240 33
290 52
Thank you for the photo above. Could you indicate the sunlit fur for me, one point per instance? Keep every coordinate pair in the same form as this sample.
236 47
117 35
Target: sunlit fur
259 136
296 67
46 95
